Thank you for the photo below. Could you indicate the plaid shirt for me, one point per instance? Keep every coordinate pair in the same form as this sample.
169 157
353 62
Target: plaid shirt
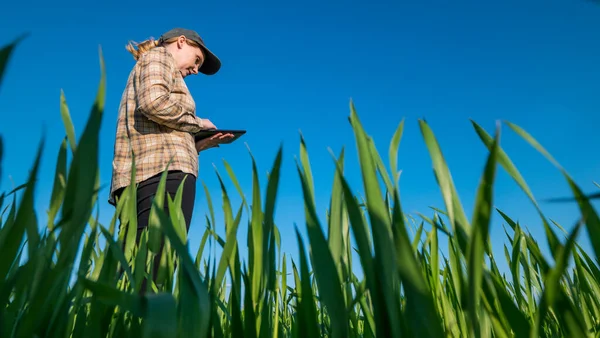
156 122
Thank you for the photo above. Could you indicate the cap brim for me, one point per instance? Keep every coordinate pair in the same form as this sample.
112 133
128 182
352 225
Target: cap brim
211 64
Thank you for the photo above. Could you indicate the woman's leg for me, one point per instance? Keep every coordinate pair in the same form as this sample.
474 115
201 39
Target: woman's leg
147 190
145 194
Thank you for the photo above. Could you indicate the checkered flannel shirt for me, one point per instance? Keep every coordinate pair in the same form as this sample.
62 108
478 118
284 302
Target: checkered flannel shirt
156 122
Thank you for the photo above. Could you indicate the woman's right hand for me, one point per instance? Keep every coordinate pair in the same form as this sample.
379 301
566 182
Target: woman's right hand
213 141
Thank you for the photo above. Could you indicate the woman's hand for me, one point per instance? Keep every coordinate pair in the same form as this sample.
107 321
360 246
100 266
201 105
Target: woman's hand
213 141
207 124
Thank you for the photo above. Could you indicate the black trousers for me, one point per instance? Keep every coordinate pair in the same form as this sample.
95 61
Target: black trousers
146 192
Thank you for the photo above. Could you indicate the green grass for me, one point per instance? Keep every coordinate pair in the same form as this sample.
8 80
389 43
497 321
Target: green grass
409 287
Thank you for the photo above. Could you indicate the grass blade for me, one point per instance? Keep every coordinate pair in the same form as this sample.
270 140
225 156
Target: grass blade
456 214
393 151
68 123
12 235
590 217
160 318
58 190
193 307
337 222
307 311
385 264
479 237
328 281
6 53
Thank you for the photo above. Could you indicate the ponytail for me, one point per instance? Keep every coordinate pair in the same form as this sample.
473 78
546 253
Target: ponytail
142 47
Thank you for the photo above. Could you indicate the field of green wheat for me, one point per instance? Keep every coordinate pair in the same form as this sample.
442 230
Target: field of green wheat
409 287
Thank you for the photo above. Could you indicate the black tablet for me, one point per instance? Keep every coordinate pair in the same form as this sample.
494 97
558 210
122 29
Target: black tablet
208 133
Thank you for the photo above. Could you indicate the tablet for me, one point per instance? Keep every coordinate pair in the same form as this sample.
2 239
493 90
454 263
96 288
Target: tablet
208 133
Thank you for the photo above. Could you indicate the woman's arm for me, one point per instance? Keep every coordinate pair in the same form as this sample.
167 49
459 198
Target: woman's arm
154 99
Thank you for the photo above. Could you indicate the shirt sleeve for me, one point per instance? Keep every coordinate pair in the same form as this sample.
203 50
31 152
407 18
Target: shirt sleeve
154 99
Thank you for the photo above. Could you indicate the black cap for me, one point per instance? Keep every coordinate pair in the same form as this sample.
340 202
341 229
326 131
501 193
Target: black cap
211 64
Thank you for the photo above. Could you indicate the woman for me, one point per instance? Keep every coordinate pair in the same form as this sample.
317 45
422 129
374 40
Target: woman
157 121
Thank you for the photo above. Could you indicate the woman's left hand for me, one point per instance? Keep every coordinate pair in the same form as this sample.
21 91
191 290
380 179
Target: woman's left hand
212 142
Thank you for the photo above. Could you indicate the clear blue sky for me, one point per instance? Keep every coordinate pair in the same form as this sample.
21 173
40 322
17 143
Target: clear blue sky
290 67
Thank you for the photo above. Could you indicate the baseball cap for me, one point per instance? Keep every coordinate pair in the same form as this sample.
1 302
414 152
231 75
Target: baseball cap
211 64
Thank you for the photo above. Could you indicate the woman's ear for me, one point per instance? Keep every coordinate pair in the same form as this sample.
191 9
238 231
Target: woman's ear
180 41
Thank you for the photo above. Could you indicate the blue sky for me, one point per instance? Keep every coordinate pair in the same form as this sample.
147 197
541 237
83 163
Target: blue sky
291 67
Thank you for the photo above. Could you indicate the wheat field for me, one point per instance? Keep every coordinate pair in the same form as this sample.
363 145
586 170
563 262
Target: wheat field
409 287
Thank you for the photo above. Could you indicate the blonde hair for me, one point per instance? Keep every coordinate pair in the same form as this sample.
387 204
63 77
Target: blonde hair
146 45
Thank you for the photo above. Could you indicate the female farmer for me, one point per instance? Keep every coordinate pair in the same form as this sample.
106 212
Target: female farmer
157 120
